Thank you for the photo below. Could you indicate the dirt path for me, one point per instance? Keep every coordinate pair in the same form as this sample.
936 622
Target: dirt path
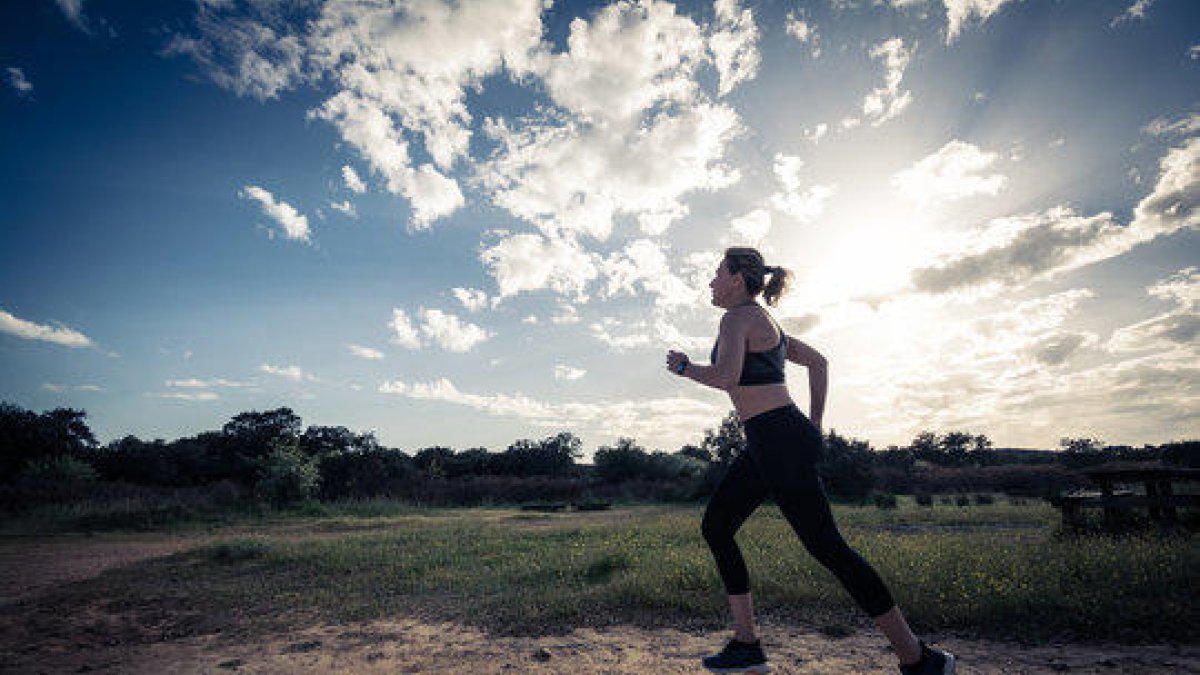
410 645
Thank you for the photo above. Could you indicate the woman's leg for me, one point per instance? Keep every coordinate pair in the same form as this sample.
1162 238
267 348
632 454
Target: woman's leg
736 497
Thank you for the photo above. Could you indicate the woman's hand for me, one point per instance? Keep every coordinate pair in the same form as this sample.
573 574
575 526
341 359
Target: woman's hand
675 358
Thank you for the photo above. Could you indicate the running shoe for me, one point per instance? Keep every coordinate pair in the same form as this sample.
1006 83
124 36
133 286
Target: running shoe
739 657
933 662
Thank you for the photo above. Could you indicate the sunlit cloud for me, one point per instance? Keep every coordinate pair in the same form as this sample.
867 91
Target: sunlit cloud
368 353
953 172
887 102
568 373
295 225
293 373
1135 12
352 181
530 262
344 207
751 227
1013 251
196 383
472 299
21 85
734 45
403 331
649 419
450 332
1184 126
1176 328
59 335
184 396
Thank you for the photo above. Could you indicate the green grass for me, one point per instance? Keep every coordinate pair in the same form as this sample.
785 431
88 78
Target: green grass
510 572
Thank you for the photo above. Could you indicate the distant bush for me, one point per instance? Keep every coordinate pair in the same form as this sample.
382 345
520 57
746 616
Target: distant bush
962 500
49 472
885 500
923 499
984 499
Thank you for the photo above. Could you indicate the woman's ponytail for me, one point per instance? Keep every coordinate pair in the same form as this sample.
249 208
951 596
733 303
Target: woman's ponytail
777 285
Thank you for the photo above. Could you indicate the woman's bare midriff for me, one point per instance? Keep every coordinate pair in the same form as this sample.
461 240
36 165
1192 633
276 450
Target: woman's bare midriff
752 400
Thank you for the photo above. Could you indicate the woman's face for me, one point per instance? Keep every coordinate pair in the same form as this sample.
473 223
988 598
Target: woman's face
726 287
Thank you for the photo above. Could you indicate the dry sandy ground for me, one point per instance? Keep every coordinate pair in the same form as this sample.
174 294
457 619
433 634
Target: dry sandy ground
410 645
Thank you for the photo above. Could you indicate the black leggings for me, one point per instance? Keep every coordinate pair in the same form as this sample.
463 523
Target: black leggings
782 448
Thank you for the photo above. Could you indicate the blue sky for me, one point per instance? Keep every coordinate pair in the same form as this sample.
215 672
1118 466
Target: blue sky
467 223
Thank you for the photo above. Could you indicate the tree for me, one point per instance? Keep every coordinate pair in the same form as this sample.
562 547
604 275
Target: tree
251 436
703 454
26 436
551 456
847 468
624 461
317 442
727 440
925 447
954 447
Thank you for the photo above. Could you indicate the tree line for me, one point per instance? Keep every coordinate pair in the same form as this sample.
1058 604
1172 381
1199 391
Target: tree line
272 457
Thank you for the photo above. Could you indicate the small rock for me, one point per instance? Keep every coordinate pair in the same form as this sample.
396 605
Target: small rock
231 664
542 654
375 656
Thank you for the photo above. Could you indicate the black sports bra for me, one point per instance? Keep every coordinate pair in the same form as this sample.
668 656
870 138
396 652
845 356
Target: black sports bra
761 367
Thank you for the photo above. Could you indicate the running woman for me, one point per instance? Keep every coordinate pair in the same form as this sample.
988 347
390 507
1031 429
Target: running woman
782 450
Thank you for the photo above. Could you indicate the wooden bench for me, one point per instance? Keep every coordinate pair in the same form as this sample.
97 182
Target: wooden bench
1160 498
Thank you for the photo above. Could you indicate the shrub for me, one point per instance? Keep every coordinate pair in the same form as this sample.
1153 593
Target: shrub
962 500
285 476
885 500
984 499
48 472
924 499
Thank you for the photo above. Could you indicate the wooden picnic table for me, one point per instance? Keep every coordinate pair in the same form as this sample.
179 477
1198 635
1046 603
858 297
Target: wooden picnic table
1160 498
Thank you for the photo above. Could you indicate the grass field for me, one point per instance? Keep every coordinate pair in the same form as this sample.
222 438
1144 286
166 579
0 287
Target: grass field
995 570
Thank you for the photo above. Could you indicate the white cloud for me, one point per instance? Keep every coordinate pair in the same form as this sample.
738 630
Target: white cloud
752 227
1136 11
198 396
405 334
368 128
73 10
365 352
734 45
566 314
959 11
450 332
638 336
528 262
1194 52
631 133
195 383
953 172
293 373
798 28
1013 251
59 335
295 226
649 420
64 388
568 373
816 133
352 181
471 298
1175 329
888 101
804 205
16 77
1184 126
643 263
344 207
256 55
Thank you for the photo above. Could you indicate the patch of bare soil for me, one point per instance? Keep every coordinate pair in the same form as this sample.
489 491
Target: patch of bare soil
413 646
